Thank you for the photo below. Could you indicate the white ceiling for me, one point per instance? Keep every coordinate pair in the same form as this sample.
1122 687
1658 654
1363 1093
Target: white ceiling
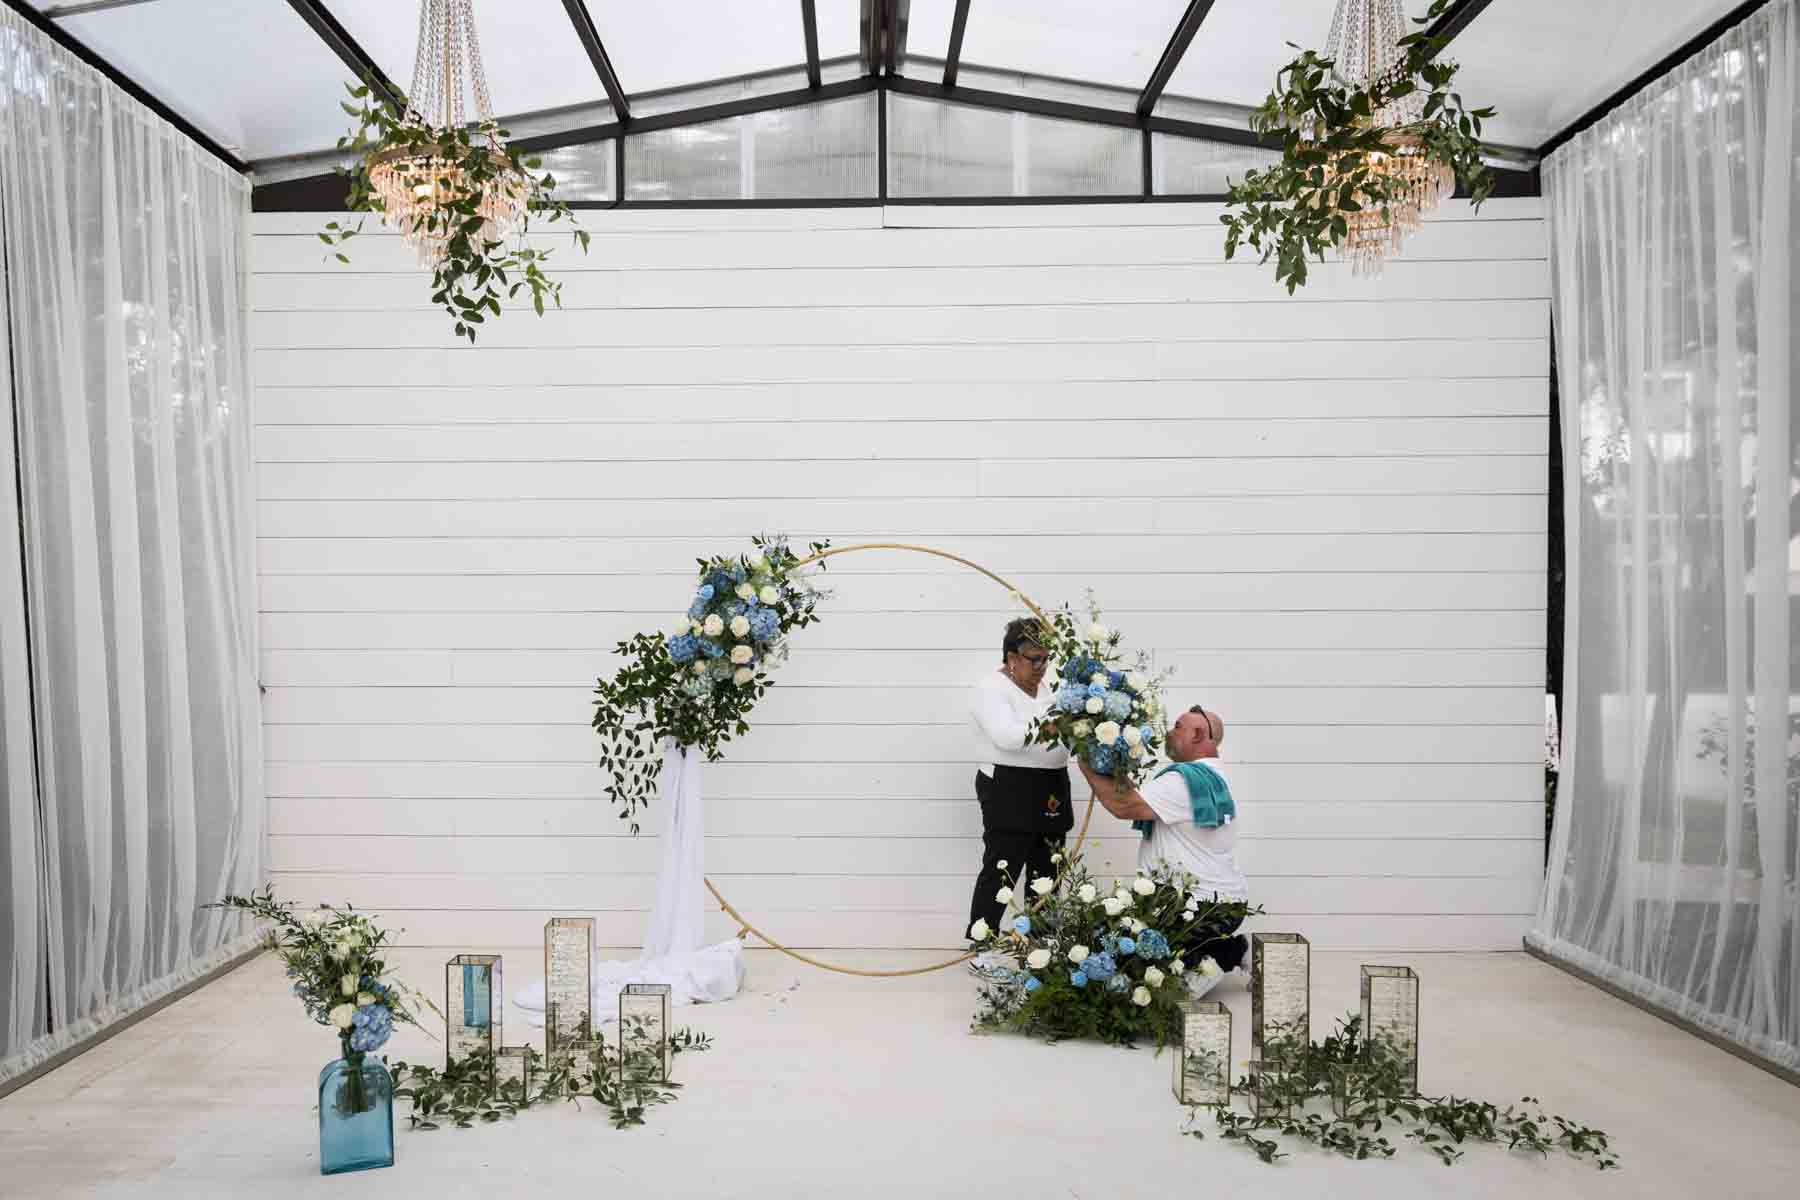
254 77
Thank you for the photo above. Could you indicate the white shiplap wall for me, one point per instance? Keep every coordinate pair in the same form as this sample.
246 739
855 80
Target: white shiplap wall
1327 511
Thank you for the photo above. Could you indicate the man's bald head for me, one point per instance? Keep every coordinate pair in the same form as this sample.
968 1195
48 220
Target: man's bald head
1196 734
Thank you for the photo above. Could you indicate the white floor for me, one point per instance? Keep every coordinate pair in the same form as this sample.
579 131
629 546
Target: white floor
822 1085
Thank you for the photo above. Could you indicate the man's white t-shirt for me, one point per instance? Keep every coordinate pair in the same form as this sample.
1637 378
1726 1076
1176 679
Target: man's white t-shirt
1206 854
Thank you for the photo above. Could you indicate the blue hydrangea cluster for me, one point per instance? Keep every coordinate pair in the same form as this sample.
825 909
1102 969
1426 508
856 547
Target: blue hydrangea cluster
1152 945
1099 966
1127 946
1118 983
371 1027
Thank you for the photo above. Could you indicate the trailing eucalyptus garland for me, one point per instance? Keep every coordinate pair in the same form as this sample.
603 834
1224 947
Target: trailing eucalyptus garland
1365 1082
475 271
1334 146
463 1094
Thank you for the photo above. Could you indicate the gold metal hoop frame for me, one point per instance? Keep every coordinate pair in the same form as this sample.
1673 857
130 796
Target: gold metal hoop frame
747 928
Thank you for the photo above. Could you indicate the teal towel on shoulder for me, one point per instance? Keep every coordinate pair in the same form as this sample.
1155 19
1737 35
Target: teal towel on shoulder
1208 797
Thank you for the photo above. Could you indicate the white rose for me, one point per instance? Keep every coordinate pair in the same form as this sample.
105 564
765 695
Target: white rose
1056 858
1134 681
1038 959
1123 897
1136 926
1133 736
1178 967
1113 906
1086 893
757 560
1083 728
1098 677
1141 997
1001 864
742 676
740 626
1142 886
315 918
1098 632
347 985
681 626
745 592
1004 895
364 999
699 668
1042 884
1209 968
1095 705
979 931
1106 732
1137 751
770 594
714 625
1078 954
742 654
1153 977
341 951
344 1016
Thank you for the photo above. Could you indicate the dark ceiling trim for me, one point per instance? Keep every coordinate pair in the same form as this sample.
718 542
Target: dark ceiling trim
899 17
1171 55
870 32
352 55
701 115
68 42
953 58
596 52
1669 62
1456 19
809 25
1089 114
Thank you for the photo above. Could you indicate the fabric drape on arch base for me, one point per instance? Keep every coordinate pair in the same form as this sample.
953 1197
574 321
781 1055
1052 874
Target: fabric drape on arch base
673 951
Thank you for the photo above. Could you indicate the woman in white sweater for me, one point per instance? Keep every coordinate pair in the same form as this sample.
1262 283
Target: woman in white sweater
1023 788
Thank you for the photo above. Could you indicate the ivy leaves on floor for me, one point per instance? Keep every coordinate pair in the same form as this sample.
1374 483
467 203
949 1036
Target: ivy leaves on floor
464 1094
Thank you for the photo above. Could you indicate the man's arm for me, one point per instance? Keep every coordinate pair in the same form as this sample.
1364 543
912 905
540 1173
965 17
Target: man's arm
1118 798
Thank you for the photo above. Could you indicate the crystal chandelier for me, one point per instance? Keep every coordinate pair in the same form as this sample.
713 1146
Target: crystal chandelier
419 183
1364 49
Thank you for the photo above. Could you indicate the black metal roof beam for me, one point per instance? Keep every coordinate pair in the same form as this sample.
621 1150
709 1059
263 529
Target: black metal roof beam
1669 62
953 58
1065 111
590 41
1455 19
899 14
809 24
872 12
1171 55
68 42
348 51
698 116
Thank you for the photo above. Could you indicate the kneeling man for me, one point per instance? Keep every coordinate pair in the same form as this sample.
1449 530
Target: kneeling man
1188 818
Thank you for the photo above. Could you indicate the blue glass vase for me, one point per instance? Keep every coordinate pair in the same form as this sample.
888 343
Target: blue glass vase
356 1115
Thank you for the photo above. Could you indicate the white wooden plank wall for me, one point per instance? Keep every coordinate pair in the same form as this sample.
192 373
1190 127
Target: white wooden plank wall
1327 511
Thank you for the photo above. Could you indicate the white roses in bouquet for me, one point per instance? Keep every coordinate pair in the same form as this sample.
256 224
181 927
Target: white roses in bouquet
1038 959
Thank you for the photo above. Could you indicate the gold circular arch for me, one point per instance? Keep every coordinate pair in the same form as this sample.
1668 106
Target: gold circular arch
1080 836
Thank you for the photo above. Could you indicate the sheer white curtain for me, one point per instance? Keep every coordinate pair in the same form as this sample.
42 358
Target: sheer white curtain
125 287
1674 859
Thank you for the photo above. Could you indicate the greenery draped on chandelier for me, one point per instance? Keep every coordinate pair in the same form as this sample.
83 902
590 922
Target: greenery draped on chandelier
452 188
1372 139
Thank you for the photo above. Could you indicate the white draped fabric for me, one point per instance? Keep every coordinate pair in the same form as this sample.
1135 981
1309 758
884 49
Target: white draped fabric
674 951
132 762
1674 861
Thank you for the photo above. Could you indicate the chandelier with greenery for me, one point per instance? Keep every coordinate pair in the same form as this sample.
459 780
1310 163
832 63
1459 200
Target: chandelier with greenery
451 187
1372 140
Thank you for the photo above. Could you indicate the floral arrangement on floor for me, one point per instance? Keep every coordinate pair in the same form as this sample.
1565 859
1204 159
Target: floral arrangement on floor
335 958
698 682
1106 963
1363 1086
1105 710
463 1093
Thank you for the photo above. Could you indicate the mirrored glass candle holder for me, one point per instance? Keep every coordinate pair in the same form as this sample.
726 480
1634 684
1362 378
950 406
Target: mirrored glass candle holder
1390 1024
568 981
474 1005
1280 994
580 1063
514 1071
1203 1058
644 1052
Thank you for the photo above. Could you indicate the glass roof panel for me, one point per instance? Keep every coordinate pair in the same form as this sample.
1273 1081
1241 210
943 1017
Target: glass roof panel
1115 43
1242 43
667 43
209 60
529 50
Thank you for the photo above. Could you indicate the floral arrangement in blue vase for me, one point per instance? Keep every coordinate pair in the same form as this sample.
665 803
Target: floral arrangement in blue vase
334 957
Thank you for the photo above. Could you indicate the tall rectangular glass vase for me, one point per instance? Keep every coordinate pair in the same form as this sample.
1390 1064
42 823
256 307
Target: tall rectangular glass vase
1280 994
474 1007
568 981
